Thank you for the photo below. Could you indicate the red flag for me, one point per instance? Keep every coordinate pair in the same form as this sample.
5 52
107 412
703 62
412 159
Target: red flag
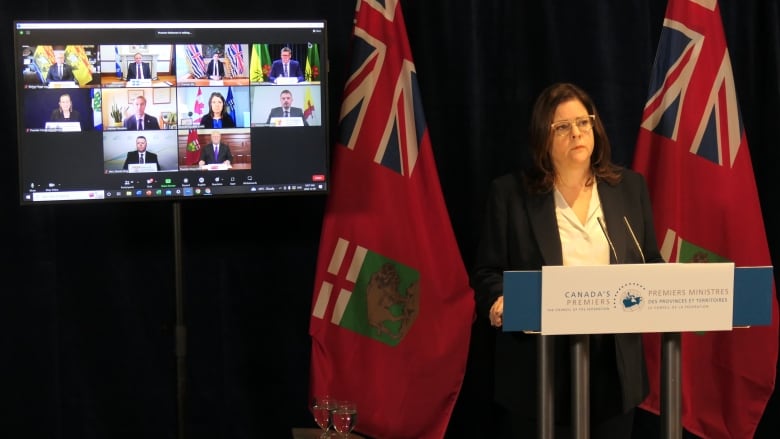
693 150
192 156
392 308
197 107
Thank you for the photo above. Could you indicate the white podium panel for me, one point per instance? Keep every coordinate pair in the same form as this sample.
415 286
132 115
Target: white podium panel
216 167
287 121
142 167
63 84
139 82
286 80
628 298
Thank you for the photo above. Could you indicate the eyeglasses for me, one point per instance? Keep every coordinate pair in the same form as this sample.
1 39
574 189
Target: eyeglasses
563 127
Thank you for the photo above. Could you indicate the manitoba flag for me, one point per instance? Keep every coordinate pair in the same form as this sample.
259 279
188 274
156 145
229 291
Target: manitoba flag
693 150
392 308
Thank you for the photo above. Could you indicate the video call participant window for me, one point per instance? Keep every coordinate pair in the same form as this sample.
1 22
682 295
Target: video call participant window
212 64
195 104
121 151
195 148
286 106
285 63
124 108
154 68
61 110
60 66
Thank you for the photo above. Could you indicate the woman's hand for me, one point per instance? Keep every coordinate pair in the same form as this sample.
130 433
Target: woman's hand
497 312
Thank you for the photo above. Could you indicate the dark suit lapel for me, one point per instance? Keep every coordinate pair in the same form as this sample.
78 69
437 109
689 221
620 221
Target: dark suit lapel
613 216
541 215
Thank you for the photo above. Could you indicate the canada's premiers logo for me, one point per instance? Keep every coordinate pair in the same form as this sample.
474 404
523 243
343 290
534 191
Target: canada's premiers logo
631 296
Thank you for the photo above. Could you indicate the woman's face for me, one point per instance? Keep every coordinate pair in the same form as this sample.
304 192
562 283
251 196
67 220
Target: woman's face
571 147
65 103
216 105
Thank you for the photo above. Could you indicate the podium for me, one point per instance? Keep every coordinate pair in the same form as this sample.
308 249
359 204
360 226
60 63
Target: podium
711 296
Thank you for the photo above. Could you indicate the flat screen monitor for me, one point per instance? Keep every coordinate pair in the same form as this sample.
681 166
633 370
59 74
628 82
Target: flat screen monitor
114 111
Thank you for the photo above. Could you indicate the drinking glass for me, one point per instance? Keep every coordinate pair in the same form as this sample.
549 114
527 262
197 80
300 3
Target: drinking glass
321 408
344 418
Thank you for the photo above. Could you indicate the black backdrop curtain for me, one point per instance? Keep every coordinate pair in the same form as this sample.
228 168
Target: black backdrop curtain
88 310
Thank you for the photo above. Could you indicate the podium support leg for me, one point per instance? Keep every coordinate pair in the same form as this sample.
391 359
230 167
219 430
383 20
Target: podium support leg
671 423
545 389
580 383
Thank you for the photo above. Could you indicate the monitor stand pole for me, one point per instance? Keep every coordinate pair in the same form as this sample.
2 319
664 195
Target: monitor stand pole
181 329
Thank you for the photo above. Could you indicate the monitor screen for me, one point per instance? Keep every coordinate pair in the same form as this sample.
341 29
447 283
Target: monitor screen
132 111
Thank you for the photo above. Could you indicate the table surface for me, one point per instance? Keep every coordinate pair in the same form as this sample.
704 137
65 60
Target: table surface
316 433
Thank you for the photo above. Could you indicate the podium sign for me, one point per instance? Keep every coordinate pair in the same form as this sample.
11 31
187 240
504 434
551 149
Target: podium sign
63 84
287 121
753 295
142 167
147 82
216 167
671 297
286 80
624 298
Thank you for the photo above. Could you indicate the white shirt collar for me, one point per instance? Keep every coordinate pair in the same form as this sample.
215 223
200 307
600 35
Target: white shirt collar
582 244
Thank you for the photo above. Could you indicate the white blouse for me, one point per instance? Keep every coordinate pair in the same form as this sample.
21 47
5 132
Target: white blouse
582 244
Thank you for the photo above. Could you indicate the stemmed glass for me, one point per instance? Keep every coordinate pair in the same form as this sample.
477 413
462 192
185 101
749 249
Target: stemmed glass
321 408
344 418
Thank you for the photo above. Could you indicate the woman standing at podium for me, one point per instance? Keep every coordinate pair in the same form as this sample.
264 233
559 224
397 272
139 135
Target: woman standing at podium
572 206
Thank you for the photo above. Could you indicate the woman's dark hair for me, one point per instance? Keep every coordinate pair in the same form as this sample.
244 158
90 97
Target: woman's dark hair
541 176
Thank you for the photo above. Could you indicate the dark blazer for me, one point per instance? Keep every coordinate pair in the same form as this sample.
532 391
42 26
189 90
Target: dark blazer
277 69
132 70
279 112
54 73
150 123
132 158
220 69
57 116
207 154
208 122
520 232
